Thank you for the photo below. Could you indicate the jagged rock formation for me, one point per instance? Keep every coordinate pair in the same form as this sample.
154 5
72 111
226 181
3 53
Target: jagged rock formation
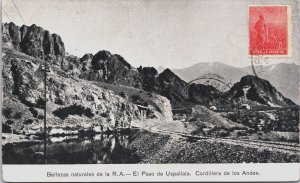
252 88
70 101
104 67
34 41
73 99
172 87
150 83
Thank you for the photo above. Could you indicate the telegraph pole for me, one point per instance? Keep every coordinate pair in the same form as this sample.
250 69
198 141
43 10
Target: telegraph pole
45 112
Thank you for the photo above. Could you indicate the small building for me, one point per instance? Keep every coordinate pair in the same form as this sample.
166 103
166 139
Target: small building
143 110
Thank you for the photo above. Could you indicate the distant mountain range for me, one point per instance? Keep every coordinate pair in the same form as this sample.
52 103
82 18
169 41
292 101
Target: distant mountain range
283 76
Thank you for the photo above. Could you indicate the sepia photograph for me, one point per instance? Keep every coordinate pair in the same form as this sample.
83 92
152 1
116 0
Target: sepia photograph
150 82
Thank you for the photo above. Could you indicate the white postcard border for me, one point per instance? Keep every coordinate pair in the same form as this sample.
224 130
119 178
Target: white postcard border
199 172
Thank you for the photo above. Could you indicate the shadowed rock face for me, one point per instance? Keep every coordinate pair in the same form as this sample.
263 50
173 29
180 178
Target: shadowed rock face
34 41
172 86
11 36
259 90
180 93
203 94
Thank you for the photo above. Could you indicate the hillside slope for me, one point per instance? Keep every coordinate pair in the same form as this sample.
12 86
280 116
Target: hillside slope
70 101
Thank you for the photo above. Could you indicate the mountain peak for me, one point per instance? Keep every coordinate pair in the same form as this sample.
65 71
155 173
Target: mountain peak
168 71
34 41
167 74
253 88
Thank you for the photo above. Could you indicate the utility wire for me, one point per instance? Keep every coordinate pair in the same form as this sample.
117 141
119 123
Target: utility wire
18 11
7 15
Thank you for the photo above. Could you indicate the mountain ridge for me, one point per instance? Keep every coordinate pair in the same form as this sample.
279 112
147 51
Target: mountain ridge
284 76
113 68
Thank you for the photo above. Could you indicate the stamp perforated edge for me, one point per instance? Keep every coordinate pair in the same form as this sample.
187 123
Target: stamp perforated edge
290 30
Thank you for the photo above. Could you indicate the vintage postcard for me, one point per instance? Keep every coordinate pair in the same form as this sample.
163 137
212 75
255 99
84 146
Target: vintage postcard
150 90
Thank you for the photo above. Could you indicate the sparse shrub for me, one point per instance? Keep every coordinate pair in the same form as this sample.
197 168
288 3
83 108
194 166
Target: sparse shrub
223 133
40 116
59 101
40 103
241 133
122 94
28 121
251 130
105 115
234 128
7 112
135 97
6 128
33 111
18 115
197 132
49 128
88 112
9 122
74 109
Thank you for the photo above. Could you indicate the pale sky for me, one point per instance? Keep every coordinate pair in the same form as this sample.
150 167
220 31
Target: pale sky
168 33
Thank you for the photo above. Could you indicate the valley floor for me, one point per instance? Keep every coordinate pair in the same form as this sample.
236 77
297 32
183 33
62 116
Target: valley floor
171 148
174 142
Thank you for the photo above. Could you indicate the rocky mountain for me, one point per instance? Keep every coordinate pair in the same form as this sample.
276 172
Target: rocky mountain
253 89
114 69
34 41
104 67
73 99
283 76
39 43
70 101
180 93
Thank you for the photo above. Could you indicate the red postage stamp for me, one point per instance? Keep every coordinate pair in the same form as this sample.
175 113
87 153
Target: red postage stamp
269 30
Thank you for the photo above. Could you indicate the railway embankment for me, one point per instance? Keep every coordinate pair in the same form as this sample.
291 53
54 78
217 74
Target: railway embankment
165 147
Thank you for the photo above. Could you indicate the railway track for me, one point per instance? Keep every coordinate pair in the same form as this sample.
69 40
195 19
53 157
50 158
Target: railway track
277 146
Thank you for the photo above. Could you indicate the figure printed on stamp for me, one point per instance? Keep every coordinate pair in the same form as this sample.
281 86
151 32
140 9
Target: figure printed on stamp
261 32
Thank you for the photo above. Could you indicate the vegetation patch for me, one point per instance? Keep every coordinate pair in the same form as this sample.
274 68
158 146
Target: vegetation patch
74 109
